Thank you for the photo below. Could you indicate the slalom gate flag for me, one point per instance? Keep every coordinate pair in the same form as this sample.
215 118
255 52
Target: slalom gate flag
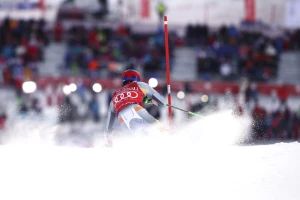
41 5
250 10
145 8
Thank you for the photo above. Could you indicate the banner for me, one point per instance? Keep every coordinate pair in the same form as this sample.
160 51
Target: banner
250 10
42 5
292 17
19 5
145 9
26 5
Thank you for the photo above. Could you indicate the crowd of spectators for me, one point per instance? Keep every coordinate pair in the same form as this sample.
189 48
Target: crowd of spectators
278 123
22 44
79 111
226 53
79 106
92 51
273 122
229 53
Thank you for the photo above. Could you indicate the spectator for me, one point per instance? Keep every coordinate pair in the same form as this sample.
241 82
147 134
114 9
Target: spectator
36 106
161 9
67 111
296 125
93 67
283 95
274 129
275 104
23 109
58 31
3 118
187 88
259 115
286 124
251 94
197 107
94 108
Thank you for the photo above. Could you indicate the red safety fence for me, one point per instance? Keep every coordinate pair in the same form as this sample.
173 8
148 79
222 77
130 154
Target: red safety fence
198 87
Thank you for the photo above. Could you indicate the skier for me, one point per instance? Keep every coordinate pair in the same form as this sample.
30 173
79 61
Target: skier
127 105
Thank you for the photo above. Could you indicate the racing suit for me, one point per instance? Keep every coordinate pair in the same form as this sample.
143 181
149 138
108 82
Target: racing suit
126 107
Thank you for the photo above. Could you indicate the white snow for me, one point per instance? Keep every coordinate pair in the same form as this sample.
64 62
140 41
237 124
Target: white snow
232 172
191 164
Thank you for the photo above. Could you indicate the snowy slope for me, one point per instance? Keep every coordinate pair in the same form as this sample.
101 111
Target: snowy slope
233 172
199 161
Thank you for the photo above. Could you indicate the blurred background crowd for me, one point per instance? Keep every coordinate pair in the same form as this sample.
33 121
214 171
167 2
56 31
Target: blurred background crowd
78 46
22 43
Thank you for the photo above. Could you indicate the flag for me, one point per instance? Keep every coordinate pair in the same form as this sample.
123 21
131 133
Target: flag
42 5
145 8
250 10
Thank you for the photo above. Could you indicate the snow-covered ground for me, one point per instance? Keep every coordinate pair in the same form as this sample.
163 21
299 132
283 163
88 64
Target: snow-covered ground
200 160
159 171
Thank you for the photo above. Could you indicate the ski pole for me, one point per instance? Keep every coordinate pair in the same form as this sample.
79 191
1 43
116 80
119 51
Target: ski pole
189 112
148 101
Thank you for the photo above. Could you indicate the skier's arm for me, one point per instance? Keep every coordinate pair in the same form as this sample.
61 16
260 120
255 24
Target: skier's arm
152 93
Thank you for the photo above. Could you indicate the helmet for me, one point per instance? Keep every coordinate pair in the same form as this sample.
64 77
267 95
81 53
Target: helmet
131 75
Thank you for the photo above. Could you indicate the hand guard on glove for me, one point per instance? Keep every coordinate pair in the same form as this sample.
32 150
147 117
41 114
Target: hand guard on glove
148 100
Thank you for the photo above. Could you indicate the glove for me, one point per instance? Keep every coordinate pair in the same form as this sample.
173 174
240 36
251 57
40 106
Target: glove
147 100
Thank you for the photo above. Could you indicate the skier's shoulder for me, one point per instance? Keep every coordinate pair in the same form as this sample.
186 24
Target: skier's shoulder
143 85
117 91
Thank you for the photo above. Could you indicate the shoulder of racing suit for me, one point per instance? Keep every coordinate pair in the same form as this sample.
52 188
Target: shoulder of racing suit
151 93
